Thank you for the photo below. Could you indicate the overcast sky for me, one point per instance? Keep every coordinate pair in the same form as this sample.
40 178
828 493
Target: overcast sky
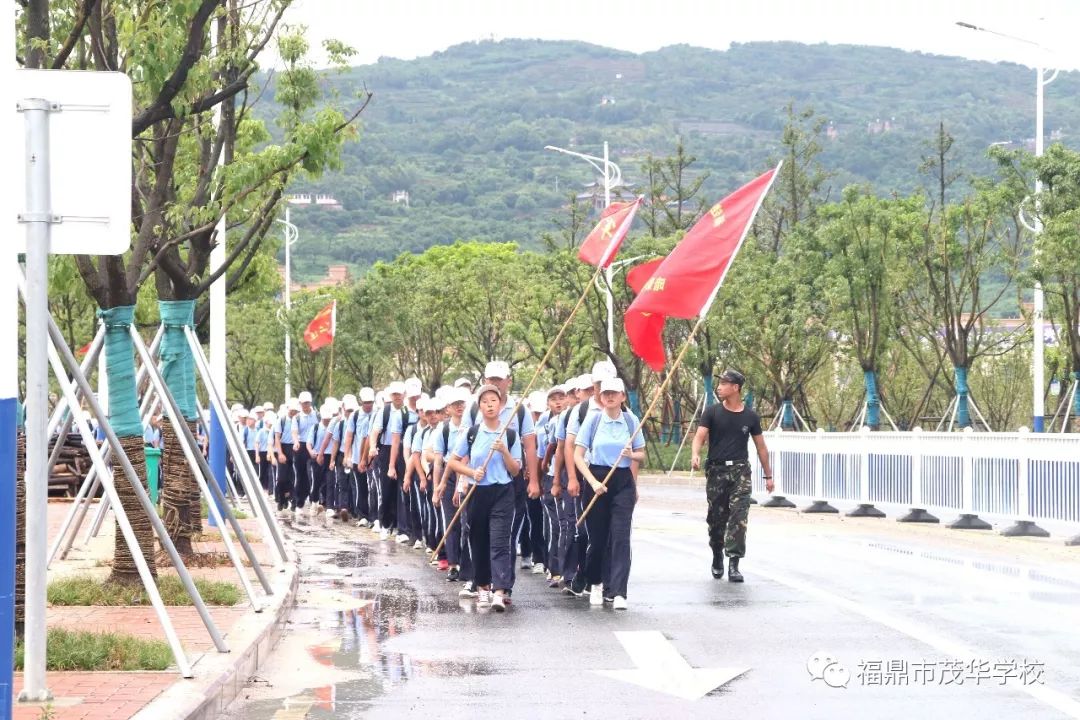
415 28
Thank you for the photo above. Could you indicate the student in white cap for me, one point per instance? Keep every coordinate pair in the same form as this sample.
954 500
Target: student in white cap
567 488
366 486
491 508
306 420
285 443
443 439
418 475
497 373
601 446
262 443
319 448
340 500
387 426
409 520
548 422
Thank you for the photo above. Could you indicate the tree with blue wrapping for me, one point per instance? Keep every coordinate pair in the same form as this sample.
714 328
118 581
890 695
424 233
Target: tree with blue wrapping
198 157
867 242
968 253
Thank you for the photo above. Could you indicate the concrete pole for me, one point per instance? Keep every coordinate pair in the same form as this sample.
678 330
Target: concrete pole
1038 410
288 304
608 272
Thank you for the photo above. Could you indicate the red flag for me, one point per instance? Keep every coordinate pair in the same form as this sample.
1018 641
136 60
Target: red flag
640 274
84 349
320 331
603 242
688 279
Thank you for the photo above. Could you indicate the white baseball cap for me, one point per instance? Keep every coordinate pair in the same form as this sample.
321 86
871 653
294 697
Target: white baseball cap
325 411
413 387
443 391
350 403
270 417
603 370
258 410
460 395
268 405
304 397
612 385
583 382
241 413
367 395
294 404
462 382
556 389
497 369
436 404
396 388
538 401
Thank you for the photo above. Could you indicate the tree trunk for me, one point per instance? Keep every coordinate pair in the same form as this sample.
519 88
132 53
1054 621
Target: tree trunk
126 423
124 570
181 497
873 400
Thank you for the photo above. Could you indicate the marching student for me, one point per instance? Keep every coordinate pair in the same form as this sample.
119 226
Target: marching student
409 525
365 482
262 446
535 526
341 502
603 370
491 507
555 399
571 537
600 446
497 373
387 426
306 420
443 439
418 473
284 444
318 448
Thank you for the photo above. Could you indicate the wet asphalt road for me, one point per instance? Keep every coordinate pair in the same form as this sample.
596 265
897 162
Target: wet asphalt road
917 621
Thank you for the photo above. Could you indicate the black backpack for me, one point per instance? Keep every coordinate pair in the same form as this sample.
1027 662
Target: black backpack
404 418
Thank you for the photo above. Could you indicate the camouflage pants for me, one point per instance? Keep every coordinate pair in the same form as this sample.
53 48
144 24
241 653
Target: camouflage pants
727 488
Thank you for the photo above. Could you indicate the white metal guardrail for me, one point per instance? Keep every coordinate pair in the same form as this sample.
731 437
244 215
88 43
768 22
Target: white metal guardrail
1018 476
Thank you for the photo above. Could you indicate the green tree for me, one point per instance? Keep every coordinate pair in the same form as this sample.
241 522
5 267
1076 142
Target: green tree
867 241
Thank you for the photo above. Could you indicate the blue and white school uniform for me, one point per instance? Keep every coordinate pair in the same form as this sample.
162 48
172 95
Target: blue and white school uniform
454 543
491 510
607 526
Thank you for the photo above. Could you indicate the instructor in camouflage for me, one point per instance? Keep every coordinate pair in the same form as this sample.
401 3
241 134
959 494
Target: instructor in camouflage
727 427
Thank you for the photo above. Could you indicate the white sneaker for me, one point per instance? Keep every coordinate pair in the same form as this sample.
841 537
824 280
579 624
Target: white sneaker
330 514
375 527
596 595
299 514
418 545
526 564
538 569
498 603
384 534
402 538
362 522
467 591
483 599
619 603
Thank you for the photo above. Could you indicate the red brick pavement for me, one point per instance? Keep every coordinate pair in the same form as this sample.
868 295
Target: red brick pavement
97 695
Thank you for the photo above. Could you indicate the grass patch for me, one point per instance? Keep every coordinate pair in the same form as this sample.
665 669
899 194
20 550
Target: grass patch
84 590
80 650
661 455
237 512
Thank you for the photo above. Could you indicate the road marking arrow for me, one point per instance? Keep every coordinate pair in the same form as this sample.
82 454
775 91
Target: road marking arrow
660 667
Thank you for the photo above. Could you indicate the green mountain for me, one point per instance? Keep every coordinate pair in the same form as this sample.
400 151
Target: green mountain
463 131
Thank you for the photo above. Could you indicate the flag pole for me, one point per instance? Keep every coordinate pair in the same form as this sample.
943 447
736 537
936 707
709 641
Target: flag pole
657 394
521 399
331 383
701 319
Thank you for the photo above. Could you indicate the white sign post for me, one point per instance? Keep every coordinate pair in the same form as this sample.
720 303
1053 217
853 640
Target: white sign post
76 157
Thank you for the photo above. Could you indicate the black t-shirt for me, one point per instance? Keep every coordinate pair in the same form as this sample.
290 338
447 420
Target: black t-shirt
729 431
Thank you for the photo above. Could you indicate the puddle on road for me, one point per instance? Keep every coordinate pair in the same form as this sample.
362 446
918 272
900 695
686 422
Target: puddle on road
392 607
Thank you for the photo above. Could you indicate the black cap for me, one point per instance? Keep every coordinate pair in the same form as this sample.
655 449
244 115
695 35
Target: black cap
733 376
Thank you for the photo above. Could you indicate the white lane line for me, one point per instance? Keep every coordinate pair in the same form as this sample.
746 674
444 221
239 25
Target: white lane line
948 646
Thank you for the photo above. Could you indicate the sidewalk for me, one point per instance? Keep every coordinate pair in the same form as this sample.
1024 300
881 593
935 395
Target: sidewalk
164 695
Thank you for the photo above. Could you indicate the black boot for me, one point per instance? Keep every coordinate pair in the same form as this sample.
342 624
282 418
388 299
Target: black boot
718 565
733 574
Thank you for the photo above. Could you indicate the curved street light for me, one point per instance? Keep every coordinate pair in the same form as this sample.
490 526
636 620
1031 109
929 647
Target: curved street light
612 178
292 234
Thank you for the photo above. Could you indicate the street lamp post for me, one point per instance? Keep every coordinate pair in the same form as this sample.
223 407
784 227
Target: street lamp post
292 234
612 177
1038 411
